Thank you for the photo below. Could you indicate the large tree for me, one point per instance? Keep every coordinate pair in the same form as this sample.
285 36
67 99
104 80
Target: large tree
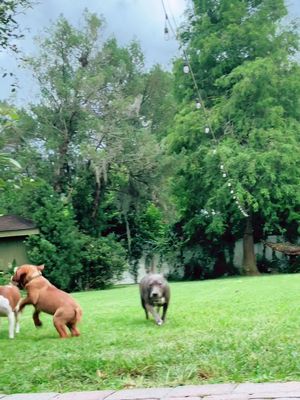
88 120
93 132
9 33
239 161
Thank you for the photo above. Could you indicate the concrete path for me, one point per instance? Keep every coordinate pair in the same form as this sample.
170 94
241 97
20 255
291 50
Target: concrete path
243 391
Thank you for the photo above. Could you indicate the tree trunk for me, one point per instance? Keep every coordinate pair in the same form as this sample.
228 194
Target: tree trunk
249 260
220 265
59 174
62 171
128 234
96 199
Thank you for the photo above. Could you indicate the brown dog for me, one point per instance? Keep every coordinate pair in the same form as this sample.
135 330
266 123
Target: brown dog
46 297
9 298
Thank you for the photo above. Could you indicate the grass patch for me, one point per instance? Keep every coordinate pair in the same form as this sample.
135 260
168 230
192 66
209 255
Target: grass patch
229 330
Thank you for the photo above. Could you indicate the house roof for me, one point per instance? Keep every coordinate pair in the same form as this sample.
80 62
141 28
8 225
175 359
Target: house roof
15 223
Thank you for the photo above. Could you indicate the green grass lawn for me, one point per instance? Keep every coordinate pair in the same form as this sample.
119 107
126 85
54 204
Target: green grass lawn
228 330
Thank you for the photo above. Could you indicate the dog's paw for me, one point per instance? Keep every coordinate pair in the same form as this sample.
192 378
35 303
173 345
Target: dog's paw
38 324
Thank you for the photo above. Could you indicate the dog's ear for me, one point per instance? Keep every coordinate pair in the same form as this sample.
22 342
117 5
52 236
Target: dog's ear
19 277
41 267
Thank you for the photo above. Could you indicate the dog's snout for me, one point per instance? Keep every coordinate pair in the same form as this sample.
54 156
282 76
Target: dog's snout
155 293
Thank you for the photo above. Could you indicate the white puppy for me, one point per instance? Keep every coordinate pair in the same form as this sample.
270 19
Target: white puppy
9 298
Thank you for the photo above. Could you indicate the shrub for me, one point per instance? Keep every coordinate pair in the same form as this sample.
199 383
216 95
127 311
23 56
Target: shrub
103 260
73 261
58 244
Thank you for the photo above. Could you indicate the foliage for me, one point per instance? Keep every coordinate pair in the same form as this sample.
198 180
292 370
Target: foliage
125 160
72 261
103 260
284 264
149 231
243 60
6 275
58 244
94 133
10 30
8 121
89 118
9 27
158 107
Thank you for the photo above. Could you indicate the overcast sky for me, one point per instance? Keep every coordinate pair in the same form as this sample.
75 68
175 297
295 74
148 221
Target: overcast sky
126 19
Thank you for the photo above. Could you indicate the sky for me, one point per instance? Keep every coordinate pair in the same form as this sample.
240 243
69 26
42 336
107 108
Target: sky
125 19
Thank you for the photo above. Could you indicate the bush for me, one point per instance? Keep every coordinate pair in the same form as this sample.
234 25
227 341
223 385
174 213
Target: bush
5 277
58 244
73 261
61 267
282 265
103 261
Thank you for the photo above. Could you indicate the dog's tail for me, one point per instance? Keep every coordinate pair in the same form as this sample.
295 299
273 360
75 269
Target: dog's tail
78 314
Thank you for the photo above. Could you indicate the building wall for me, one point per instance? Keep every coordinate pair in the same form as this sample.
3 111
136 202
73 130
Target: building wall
12 249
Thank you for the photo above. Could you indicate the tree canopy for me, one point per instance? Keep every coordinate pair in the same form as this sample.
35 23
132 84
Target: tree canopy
242 58
119 162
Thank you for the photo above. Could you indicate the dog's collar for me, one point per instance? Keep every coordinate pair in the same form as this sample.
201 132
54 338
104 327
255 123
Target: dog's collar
33 277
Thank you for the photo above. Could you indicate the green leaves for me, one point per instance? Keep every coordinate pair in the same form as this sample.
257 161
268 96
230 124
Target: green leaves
9 27
242 60
5 160
103 260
